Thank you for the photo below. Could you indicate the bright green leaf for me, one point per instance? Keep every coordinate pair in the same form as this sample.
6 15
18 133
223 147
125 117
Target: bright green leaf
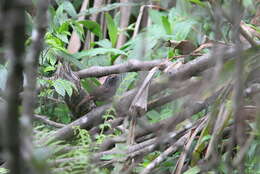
198 2
92 26
49 68
112 29
166 25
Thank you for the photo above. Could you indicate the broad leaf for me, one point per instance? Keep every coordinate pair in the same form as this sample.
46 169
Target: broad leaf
112 29
92 26
69 8
64 86
58 85
105 43
96 51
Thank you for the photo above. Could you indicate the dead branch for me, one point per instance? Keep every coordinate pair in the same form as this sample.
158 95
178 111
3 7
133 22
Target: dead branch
152 105
149 145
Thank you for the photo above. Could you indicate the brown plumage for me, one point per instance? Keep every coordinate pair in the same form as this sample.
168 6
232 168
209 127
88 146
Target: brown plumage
104 92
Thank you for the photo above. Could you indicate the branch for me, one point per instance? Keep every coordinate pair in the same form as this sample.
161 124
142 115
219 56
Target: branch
192 85
45 119
184 72
187 90
88 121
173 148
149 145
130 66
171 122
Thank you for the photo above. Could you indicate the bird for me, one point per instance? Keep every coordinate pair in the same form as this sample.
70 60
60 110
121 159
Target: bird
104 92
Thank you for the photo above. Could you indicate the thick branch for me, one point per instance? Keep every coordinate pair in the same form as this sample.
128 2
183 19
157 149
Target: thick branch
88 121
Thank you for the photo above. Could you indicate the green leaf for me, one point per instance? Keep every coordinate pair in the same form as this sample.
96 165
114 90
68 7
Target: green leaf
96 51
193 170
155 16
248 3
104 43
153 115
69 8
92 26
206 138
51 58
64 28
63 38
182 29
62 112
70 58
68 87
90 83
112 29
64 86
107 157
58 85
59 17
49 68
79 30
3 170
198 2
166 25
53 41
3 76
126 83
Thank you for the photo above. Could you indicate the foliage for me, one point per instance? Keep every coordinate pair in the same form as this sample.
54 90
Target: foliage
3 170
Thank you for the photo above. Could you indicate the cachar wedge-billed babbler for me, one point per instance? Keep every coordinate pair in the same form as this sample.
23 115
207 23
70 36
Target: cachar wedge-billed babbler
104 92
